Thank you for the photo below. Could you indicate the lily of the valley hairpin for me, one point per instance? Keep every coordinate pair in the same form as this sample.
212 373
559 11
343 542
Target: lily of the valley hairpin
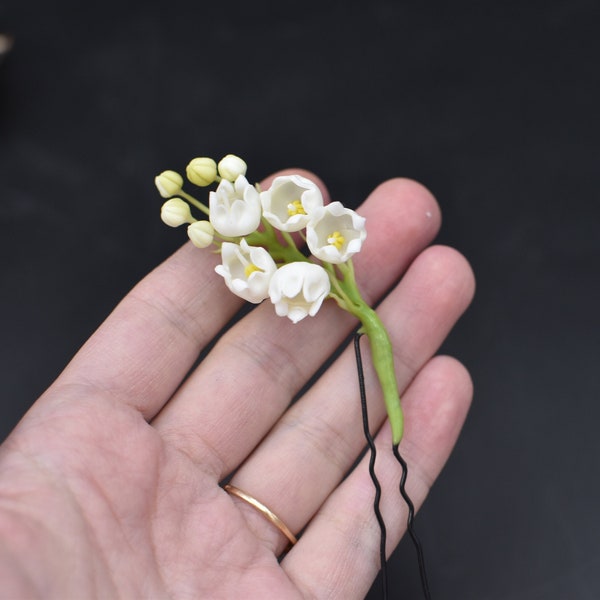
260 259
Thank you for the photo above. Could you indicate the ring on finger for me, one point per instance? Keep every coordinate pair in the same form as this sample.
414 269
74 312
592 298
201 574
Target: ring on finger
265 511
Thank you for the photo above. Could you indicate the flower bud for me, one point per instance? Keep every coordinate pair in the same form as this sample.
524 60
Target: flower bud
176 212
231 166
168 183
201 233
201 171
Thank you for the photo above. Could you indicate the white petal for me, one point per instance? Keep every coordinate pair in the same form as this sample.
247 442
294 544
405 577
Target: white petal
292 283
326 220
298 289
231 166
298 313
235 209
285 190
253 286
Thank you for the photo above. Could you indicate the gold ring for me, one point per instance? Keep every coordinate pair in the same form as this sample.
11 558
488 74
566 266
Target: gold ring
266 512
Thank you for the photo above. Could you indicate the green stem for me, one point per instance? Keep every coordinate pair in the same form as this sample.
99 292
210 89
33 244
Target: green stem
280 253
383 361
195 202
381 348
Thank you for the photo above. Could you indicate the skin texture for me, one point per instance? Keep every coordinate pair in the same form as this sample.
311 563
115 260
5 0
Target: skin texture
109 486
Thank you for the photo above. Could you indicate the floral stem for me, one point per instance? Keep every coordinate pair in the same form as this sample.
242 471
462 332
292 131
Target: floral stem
195 202
289 240
381 349
383 361
287 253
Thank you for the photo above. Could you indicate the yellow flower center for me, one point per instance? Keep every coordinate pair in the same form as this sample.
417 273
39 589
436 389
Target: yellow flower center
295 208
251 268
336 239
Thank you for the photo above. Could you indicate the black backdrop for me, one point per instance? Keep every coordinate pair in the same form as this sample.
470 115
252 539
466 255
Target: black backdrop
493 106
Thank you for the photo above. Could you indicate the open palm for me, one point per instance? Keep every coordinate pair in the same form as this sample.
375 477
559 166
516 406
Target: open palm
110 485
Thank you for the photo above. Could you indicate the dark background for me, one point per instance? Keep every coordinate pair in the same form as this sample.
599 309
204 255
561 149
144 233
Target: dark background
493 106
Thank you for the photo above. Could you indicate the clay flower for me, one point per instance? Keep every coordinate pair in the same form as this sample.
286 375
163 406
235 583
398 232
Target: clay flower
335 233
250 256
298 289
168 183
288 202
201 171
201 234
231 167
247 270
235 208
176 212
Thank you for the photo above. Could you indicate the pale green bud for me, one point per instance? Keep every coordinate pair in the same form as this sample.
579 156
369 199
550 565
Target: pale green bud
201 233
176 212
168 183
201 171
231 167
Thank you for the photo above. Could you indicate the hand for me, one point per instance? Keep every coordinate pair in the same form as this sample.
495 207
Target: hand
109 486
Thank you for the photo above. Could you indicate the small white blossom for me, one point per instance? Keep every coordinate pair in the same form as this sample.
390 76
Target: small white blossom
335 233
247 270
201 171
201 234
176 212
298 289
231 167
235 208
287 204
168 183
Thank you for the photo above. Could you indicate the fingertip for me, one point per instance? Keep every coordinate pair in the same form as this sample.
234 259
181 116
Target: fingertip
406 207
436 406
405 185
410 192
455 270
449 372
451 395
402 219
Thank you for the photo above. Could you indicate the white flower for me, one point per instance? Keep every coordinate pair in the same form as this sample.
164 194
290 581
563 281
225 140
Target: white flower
288 202
335 233
247 270
298 289
231 167
176 212
235 208
201 233
168 183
